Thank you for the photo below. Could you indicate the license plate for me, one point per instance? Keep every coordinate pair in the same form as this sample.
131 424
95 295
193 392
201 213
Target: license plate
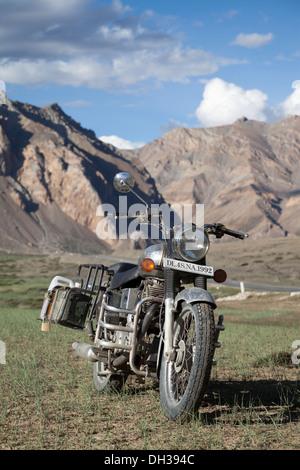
188 267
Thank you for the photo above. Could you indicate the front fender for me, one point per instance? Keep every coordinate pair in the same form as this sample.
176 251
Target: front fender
194 294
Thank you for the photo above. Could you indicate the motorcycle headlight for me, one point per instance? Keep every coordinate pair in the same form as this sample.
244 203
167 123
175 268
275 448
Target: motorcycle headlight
191 243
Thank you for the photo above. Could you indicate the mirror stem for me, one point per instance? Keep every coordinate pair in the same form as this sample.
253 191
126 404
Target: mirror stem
132 191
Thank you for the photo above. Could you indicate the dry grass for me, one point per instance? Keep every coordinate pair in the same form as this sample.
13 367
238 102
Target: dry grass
48 400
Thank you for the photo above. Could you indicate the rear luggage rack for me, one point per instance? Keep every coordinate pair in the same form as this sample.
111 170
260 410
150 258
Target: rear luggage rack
92 285
70 305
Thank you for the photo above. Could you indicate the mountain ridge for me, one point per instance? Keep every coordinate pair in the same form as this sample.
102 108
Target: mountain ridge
246 173
54 174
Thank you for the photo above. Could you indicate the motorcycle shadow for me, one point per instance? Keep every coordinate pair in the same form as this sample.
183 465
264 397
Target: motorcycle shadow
265 401
142 387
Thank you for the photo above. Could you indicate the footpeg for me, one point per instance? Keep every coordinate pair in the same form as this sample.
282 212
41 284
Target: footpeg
218 328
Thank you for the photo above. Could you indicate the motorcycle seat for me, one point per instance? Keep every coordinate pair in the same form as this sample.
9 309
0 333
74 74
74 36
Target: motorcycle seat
120 267
123 273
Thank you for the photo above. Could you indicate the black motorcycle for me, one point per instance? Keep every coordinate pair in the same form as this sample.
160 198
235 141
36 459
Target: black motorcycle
151 319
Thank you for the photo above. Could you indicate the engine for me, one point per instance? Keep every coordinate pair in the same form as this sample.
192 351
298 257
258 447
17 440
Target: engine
127 299
153 287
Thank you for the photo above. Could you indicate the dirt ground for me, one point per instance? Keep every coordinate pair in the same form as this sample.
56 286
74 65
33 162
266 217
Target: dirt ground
252 401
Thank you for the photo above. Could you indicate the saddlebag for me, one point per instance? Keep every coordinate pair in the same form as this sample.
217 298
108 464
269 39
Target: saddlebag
69 307
68 303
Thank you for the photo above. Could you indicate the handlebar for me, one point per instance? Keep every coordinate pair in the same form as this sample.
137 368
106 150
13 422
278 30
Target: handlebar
234 233
216 229
219 230
118 215
146 216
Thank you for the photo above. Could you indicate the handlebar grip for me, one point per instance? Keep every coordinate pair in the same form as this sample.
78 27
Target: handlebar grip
235 234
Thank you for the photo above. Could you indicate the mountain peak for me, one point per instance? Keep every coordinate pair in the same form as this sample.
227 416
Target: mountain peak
241 120
53 177
246 174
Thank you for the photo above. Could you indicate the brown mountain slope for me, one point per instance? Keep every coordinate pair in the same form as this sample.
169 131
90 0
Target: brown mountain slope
247 174
53 176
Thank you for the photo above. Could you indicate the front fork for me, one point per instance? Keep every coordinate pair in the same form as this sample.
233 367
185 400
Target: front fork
199 281
169 299
169 327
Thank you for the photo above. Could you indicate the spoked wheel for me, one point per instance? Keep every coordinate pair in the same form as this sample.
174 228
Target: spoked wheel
183 381
107 383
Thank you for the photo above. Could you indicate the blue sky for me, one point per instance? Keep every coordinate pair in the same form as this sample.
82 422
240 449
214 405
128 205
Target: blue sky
134 69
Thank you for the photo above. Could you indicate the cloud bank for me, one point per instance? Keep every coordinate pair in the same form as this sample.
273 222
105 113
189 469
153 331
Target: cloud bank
80 43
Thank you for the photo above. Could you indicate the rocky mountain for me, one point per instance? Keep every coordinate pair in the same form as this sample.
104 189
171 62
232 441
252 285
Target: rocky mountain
53 176
247 174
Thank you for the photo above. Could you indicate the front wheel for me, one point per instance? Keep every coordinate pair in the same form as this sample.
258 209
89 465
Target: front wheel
183 381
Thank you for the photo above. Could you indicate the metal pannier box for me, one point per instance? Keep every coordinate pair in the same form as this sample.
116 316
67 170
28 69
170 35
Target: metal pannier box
69 307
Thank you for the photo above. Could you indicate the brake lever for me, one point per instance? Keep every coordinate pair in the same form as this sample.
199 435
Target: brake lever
215 229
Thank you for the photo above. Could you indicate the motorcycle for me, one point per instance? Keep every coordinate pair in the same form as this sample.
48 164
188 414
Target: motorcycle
150 319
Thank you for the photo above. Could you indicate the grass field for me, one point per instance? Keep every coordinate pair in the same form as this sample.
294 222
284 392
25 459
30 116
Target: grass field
48 400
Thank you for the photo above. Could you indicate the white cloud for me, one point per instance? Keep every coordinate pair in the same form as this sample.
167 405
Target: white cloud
225 102
296 84
120 143
252 40
291 105
176 64
74 72
228 15
127 71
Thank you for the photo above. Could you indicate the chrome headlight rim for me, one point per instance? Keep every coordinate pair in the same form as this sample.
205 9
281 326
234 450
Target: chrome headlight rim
155 252
187 253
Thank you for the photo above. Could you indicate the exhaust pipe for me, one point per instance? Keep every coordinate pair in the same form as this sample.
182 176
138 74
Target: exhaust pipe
93 354
88 352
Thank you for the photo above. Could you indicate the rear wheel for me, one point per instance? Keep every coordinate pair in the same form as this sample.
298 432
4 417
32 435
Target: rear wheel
108 383
183 381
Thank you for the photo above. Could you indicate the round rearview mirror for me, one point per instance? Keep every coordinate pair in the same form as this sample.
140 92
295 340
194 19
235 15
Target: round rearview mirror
123 182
